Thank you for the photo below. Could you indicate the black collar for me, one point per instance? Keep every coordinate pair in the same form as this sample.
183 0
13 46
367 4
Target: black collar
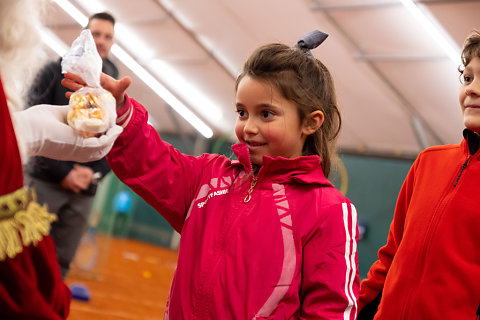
473 140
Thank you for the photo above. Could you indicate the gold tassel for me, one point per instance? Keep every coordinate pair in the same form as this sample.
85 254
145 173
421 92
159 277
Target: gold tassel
25 227
10 242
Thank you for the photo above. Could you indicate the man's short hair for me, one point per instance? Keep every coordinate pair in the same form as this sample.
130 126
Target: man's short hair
102 16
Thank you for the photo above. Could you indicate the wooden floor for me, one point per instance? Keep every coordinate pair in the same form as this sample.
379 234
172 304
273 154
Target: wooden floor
130 280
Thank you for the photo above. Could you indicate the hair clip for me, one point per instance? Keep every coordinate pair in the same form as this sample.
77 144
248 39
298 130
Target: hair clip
310 41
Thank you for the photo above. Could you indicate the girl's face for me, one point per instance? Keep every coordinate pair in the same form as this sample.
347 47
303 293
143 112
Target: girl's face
267 123
469 96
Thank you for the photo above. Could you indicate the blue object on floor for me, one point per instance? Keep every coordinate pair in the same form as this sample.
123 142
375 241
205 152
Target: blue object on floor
80 292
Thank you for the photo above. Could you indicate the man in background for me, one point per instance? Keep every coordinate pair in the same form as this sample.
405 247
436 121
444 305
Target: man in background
68 188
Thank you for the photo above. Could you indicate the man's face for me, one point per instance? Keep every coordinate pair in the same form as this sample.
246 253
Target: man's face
102 32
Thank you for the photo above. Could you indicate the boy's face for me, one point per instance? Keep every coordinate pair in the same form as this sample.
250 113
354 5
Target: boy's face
267 123
469 96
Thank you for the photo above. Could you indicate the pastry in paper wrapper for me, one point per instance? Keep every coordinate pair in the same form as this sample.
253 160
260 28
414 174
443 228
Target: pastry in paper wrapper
90 111
93 109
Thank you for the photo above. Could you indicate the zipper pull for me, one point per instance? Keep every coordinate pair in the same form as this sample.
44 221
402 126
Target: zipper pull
249 193
461 170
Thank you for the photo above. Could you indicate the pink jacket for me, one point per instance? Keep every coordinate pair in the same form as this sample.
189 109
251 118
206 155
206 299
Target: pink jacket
288 253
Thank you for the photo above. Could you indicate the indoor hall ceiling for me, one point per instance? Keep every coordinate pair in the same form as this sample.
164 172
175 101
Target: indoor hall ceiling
397 88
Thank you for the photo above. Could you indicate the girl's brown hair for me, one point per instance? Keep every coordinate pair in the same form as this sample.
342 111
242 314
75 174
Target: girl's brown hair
308 83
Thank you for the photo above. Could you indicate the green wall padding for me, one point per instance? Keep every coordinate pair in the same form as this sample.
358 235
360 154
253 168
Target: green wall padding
373 187
142 222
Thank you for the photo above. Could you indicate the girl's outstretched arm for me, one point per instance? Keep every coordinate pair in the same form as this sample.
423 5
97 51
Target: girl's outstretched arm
163 176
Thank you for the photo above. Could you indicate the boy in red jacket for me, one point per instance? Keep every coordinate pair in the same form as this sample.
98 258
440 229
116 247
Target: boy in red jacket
430 266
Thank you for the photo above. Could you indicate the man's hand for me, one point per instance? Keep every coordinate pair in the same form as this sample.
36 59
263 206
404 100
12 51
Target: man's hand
84 175
79 178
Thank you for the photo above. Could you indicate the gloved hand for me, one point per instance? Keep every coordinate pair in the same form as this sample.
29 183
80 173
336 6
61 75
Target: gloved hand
43 132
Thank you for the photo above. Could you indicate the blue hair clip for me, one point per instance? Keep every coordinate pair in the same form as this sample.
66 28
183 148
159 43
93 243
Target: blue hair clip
310 41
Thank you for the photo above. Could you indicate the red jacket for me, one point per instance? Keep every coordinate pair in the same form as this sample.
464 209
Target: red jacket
288 253
430 266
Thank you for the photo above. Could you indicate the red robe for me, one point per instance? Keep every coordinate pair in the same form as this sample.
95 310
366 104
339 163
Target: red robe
31 286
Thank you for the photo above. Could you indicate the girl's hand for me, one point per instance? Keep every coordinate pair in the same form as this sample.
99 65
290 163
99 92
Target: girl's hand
115 87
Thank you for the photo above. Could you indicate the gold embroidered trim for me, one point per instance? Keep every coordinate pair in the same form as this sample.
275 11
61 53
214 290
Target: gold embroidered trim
15 201
22 223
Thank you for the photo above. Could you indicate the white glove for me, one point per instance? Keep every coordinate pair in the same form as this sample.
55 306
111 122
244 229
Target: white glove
43 132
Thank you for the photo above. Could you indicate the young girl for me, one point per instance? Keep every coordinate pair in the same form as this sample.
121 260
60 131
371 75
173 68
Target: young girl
430 266
267 236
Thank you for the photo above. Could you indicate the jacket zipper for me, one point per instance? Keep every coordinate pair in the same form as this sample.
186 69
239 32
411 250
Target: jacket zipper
428 238
461 170
249 192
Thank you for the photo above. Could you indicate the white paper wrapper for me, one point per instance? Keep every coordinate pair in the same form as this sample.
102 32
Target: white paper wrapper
93 109
83 59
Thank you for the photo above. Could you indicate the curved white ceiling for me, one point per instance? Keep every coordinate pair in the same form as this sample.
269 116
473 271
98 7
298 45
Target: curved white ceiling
396 86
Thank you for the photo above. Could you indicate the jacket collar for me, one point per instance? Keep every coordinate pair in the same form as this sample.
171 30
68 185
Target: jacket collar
472 140
304 169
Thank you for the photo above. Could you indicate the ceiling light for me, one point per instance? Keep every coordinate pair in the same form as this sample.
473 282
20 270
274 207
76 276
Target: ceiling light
159 89
53 42
76 14
178 83
125 35
430 25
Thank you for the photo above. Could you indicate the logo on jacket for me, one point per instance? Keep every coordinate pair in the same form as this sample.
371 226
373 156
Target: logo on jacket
205 190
